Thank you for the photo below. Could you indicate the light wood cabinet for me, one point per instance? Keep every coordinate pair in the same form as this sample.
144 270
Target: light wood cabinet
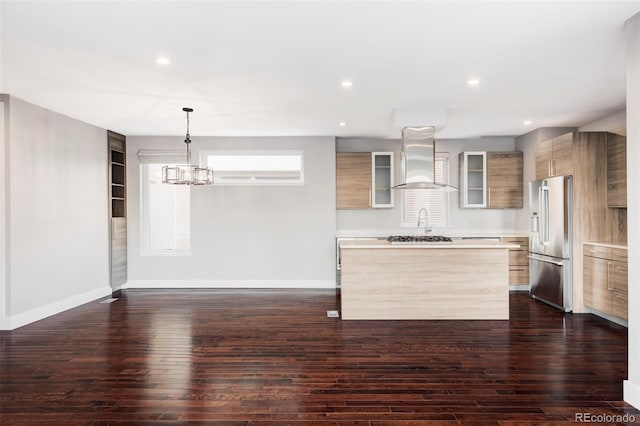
554 157
518 260
490 180
364 180
605 280
616 170
504 180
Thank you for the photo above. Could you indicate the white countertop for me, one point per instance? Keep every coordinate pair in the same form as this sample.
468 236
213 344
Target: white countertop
454 233
464 244
610 245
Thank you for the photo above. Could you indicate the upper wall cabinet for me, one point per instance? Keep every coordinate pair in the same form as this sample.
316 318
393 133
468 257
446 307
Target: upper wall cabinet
473 179
491 180
554 157
382 177
364 180
504 180
616 170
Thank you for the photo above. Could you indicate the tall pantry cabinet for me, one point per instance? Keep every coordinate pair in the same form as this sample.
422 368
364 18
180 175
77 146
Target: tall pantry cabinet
117 146
584 156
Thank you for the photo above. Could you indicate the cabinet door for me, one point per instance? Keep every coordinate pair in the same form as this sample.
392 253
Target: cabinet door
353 180
620 305
620 276
597 294
473 168
504 180
616 170
562 156
543 158
382 178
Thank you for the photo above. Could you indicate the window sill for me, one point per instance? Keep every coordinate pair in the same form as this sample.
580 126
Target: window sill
146 253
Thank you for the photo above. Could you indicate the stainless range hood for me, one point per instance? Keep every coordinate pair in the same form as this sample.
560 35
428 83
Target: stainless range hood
417 160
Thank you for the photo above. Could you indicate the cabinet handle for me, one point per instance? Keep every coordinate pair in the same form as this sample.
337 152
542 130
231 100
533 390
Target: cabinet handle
370 197
549 168
489 196
608 273
553 167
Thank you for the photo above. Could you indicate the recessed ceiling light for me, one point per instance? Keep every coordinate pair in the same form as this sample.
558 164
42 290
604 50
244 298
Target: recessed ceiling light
342 124
163 60
346 83
527 122
473 82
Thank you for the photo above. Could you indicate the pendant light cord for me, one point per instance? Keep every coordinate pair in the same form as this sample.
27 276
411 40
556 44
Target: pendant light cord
188 142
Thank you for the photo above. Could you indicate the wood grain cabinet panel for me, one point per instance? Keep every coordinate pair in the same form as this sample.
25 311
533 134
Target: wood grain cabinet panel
554 157
616 170
504 180
544 150
597 293
353 180
562 158
518 260
605 280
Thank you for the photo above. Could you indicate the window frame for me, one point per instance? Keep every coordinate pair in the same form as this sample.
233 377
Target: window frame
145 231
439 156
204 159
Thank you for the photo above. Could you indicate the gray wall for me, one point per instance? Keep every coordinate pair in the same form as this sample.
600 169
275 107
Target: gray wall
245 236
57 208
460 220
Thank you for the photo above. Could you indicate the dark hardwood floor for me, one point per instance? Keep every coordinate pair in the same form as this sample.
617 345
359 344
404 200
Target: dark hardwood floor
272 357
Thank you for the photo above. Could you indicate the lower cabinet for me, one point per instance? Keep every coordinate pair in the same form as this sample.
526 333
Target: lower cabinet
518 260
605 280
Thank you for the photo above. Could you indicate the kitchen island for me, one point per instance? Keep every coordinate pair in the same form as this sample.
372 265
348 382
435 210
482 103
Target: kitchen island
462 280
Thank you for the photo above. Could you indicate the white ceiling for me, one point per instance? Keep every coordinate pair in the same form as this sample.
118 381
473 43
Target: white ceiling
274 68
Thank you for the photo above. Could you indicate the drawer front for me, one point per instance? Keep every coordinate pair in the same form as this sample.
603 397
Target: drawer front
598 251
519 275
620 276
523 242
620 255
620 305
518 257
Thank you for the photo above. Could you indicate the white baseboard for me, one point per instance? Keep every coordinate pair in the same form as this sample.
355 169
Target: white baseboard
608 317
309 284
16 321
631 393
519 287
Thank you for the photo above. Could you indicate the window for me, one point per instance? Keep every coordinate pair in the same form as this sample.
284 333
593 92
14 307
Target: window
435 201
166 214
255 167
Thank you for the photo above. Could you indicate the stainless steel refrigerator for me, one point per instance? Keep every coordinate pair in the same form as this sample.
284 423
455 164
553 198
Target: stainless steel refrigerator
550 241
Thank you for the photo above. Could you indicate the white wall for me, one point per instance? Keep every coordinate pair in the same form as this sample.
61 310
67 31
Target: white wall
632 386
460 220
4 214
245 236
58 211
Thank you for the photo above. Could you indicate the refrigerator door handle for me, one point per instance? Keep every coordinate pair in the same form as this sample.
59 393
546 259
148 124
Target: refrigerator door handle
541 216
546 238
545 260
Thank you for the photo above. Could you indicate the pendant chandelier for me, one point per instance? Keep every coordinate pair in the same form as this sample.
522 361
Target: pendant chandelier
187 174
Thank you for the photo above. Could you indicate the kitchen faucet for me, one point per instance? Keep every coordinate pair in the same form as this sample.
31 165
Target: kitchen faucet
427 228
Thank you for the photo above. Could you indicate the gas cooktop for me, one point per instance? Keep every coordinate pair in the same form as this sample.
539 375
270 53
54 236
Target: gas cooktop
404 239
